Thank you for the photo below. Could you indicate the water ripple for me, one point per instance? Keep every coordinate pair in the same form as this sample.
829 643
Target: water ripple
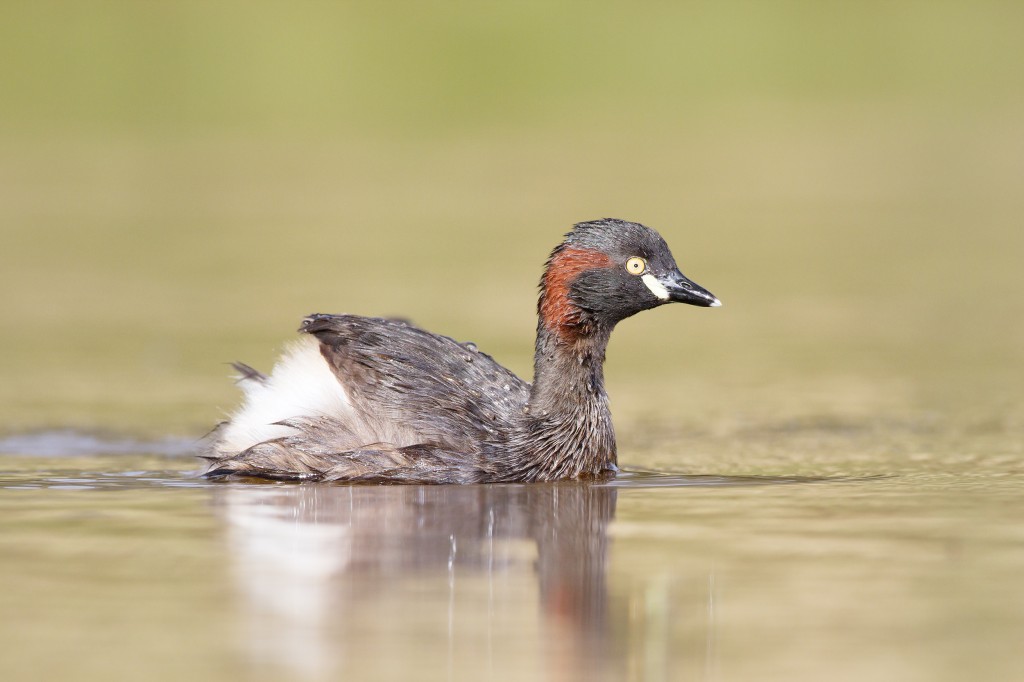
67 443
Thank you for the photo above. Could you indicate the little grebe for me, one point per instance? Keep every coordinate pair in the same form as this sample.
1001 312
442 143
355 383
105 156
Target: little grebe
377 400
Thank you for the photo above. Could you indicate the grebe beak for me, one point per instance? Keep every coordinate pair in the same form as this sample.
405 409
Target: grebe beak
675 287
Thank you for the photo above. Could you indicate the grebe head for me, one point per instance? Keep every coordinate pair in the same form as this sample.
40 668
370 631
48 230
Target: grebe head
607 270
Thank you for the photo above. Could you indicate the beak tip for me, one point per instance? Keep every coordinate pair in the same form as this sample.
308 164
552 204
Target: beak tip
715 304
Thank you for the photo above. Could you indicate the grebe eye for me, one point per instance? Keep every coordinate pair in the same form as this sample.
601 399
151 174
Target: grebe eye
636 265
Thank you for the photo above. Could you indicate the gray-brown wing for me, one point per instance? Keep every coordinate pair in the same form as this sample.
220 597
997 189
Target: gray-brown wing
447 392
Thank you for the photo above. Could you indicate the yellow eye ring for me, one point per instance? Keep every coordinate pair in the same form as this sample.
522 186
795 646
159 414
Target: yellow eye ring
636 265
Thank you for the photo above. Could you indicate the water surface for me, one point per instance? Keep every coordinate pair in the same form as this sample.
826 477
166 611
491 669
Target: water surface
122 564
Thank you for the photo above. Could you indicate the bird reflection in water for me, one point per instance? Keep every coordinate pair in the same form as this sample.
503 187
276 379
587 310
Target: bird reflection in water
424 581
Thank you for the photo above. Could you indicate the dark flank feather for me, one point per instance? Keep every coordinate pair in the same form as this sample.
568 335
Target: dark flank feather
247 373
298 458
446 393
452 403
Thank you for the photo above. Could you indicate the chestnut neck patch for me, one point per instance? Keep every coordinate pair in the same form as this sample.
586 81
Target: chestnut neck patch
557 311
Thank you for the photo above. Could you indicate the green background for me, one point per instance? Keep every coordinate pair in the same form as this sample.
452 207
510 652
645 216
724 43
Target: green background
181 182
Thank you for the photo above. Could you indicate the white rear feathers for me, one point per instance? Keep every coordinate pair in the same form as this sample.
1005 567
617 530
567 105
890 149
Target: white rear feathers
301 385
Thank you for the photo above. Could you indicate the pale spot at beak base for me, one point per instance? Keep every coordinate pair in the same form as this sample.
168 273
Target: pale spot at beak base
656 287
